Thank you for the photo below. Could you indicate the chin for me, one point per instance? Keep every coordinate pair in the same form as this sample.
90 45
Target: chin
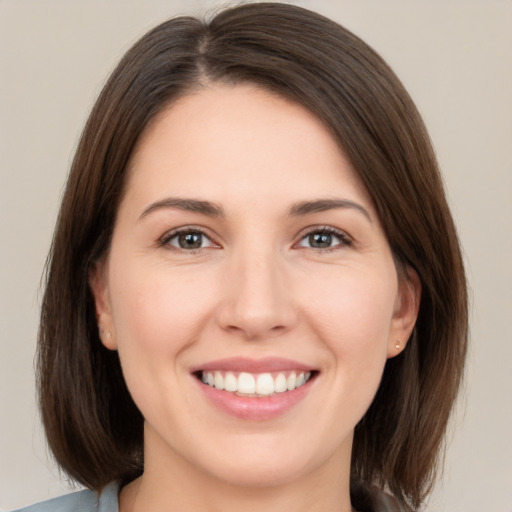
258 474
263 461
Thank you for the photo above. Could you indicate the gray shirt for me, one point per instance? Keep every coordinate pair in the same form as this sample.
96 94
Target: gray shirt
108 501
81 501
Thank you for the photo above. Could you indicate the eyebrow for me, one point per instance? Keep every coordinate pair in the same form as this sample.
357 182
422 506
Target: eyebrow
189 205
213 210
322 205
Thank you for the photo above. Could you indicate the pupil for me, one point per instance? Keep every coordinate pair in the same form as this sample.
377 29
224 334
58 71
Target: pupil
190 240
320 240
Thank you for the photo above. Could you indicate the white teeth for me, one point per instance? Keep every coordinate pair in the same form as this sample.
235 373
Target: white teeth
290 381
262 384
219 380
246 384
280 384
230 382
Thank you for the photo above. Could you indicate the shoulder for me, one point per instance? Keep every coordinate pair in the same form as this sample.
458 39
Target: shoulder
81 501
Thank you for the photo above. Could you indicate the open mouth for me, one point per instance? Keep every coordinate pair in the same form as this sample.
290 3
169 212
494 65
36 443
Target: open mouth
257 385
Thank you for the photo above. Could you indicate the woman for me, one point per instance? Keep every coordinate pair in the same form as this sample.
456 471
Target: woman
255 296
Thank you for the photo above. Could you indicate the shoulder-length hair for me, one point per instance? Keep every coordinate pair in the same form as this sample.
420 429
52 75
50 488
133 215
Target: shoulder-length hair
93 427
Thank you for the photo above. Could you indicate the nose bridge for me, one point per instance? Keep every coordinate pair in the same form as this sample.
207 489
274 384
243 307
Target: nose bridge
257 302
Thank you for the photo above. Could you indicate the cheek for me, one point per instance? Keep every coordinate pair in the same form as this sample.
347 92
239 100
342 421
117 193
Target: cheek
152 298
156 313
353 319
357 307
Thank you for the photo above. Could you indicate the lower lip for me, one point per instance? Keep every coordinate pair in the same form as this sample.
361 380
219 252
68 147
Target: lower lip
255 408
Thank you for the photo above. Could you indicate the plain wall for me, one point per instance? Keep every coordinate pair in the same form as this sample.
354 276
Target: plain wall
455 58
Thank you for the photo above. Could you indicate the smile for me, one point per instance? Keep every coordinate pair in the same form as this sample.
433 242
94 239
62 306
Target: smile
255 384
255 389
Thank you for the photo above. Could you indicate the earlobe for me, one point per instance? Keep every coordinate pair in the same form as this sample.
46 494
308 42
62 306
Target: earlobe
407 305
98 284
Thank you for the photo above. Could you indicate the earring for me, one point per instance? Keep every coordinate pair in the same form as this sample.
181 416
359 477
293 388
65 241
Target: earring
398 344
106 334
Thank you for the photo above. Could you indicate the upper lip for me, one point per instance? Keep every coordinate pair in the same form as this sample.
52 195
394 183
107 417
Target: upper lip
242 364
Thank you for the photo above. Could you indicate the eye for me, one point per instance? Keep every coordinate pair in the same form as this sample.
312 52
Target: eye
324 238
188 240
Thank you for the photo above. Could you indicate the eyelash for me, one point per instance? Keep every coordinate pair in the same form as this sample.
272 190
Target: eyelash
345 240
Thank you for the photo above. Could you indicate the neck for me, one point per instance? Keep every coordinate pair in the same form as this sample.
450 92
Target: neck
177 485
147 494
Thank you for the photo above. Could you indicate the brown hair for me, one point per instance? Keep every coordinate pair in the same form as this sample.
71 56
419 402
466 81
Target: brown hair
93 427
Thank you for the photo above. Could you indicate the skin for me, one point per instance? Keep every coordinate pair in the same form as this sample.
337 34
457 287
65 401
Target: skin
257 287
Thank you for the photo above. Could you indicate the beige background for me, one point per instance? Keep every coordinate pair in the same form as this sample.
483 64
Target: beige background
455 57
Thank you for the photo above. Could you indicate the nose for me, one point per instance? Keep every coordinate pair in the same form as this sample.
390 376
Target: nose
256 301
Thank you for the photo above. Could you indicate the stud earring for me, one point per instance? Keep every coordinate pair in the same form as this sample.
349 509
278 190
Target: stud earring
106 334
398 344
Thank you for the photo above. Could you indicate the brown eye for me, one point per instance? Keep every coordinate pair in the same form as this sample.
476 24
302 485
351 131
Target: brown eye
188 240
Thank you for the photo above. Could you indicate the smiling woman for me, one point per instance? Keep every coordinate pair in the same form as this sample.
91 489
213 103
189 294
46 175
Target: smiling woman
255 295
211 313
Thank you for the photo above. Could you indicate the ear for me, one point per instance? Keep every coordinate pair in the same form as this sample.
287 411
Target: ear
98 282
407 305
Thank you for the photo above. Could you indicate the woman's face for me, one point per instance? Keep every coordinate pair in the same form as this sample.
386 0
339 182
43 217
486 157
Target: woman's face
247 254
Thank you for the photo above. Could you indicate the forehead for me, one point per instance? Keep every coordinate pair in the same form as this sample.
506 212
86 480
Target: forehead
242 140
